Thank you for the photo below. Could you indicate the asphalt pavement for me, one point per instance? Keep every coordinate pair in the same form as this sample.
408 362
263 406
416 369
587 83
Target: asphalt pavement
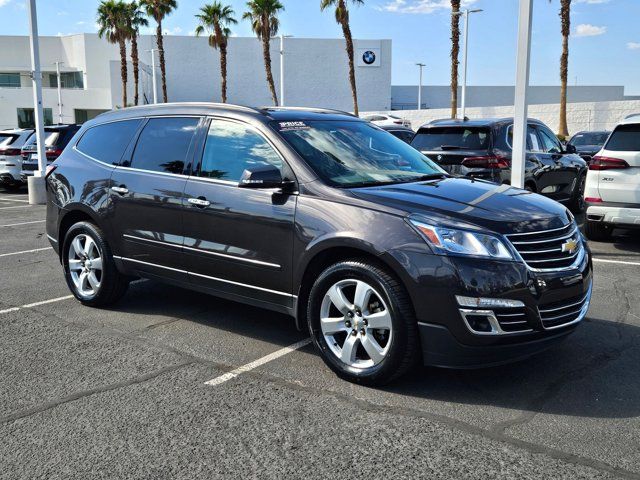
176 384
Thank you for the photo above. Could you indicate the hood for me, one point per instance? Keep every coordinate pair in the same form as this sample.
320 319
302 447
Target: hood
461 201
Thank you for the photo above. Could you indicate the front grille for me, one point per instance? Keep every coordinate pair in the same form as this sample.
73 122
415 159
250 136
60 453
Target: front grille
566 312
512 319
548 249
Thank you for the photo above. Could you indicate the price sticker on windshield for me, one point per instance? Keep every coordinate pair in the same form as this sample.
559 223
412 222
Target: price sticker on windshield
288 126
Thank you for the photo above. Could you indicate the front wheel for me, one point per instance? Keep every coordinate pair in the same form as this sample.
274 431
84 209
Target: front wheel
577 203
89 269
362 322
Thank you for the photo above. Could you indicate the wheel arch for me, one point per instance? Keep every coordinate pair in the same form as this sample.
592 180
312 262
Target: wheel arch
72 215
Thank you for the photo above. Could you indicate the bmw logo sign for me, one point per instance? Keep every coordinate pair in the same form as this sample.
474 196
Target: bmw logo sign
369 57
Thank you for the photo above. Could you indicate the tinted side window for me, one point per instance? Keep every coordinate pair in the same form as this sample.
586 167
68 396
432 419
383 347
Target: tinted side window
625 138
550 143
233 147
108 142
164 144
452 138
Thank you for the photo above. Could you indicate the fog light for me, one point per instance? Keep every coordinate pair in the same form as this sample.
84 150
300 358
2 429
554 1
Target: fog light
479 323
480 302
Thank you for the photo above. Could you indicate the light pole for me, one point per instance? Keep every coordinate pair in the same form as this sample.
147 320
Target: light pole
60 122
37 193
523 61
420 66
465 13
282 37
154 82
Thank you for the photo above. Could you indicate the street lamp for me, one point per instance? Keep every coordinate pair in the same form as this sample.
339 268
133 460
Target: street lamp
465 13
154 83
60 122
420 66
282 37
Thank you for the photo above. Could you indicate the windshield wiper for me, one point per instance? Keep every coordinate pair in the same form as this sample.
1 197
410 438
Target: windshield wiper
424 178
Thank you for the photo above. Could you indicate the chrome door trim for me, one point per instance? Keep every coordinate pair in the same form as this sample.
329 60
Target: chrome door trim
277 292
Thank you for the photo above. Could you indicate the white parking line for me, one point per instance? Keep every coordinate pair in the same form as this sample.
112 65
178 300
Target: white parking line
25 251
15 206
4 199
615 261
22 223
36 304
261 361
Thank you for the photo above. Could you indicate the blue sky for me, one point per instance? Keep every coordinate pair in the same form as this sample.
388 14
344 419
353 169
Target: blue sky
605 42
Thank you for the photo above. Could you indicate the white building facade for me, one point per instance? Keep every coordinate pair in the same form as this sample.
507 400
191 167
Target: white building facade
316 74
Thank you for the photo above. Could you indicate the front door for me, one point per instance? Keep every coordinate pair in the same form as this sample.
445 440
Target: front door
238 241
146 197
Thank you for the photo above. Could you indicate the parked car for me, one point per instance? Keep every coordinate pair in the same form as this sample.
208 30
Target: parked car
587 144
56 138
483 148
613 183
403 133
387 120
11 141
380 254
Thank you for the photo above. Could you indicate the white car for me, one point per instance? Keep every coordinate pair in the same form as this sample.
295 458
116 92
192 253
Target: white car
11 141
612 192
387 120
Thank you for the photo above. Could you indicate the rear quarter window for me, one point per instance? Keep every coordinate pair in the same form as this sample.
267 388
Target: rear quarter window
625 138
107 142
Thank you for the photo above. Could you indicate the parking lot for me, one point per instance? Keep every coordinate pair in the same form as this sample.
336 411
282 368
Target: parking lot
144 390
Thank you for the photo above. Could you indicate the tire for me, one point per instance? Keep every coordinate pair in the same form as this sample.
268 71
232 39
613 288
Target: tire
597 231
396 348
577 203
108 285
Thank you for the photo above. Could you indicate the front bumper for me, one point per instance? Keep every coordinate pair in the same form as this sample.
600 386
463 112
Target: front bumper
613 213
551 305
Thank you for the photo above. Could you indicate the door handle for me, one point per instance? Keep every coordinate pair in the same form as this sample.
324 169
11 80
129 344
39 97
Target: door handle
122 190
199 202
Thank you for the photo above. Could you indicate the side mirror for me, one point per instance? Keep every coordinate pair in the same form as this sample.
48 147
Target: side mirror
266 176
570 148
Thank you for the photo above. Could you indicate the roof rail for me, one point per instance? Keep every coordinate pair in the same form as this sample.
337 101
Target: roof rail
632 115
229 106
307 109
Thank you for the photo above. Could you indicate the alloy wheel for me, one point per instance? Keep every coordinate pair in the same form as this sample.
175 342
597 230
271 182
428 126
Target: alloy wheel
85 265
356 323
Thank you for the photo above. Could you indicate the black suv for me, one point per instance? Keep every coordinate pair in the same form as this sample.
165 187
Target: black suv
588 144
482 149
56 138
384 257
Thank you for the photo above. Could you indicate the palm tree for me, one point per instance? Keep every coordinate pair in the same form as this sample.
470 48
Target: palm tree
112 25
263 15
158 9
135 19
342 17
455 51
216 19
565 21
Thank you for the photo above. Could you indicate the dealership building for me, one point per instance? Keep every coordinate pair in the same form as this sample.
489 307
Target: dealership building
316 74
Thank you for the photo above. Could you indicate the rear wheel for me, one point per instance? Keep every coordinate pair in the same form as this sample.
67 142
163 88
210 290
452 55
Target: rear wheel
362 322
90 271
597 231
577 203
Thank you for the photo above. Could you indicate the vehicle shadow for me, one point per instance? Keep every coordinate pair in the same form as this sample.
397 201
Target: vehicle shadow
593 373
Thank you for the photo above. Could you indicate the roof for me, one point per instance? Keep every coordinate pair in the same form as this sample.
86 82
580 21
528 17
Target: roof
633 118
16 130
206 108
476 122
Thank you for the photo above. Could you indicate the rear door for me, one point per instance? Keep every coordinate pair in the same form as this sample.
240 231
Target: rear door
621 184
239 241
146 196
565 170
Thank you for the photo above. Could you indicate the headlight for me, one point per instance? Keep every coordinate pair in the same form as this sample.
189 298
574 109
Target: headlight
446 240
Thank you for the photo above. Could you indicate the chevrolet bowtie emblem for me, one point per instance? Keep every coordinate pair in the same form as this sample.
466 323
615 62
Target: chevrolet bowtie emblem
570 246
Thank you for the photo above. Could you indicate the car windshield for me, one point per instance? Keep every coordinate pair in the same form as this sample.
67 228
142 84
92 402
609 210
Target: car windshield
353 153
452 138
582 139
7 139
50 138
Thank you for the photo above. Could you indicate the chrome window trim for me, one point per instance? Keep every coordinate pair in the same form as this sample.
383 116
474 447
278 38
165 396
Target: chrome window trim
277 292
199 250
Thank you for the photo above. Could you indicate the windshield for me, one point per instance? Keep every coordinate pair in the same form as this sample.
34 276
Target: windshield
452 138
353 153
7 139
589 139
50 138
